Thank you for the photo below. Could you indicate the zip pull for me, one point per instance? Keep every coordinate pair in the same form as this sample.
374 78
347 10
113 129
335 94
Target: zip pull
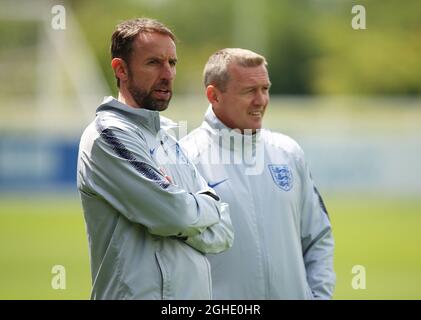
162 145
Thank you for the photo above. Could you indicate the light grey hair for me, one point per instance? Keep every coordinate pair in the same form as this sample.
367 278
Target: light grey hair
216 69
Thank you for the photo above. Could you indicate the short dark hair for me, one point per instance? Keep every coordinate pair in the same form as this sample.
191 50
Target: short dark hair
127 31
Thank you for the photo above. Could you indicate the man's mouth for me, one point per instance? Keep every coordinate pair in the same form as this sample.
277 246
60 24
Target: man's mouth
256 113
162 93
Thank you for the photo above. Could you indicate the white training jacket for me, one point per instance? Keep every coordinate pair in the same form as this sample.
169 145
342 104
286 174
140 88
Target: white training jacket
147 236
283 246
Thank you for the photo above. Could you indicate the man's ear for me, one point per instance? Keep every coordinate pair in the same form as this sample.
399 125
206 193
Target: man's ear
213 94
120 69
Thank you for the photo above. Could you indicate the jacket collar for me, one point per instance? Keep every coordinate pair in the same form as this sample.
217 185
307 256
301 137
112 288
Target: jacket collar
217 129
213 121
152 120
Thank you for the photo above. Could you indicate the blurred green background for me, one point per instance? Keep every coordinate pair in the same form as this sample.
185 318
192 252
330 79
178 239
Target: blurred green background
310 44
350 97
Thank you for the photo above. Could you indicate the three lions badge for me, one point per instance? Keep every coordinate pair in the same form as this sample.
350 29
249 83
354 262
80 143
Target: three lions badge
282 176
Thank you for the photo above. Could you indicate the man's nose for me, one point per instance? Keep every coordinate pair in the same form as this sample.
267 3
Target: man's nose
168 71
261 98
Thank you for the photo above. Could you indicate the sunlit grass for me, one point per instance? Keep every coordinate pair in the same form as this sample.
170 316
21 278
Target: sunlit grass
380 234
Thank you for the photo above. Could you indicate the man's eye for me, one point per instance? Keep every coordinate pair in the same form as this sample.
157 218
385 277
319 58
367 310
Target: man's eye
153 62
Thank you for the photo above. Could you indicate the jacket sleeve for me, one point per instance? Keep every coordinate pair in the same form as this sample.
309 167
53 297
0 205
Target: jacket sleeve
122 172
218 237
316 239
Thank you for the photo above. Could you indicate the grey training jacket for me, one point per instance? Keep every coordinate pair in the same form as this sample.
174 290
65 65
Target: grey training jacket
283 245
147 236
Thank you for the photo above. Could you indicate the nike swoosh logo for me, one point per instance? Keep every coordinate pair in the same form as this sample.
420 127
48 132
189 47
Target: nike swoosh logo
151 151
213 185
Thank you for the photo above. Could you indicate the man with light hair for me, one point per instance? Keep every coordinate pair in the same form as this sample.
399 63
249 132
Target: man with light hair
284 244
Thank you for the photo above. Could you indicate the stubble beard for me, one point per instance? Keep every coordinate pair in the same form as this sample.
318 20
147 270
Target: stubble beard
144 99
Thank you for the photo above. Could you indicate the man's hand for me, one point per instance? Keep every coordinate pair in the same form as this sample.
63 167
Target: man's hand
165 176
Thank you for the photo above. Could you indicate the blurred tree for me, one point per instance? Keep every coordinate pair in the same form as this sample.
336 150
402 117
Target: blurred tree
383 59
310 44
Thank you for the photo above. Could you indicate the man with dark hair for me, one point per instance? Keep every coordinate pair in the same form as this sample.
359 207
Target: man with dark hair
284 243
126 32
150 216
126 52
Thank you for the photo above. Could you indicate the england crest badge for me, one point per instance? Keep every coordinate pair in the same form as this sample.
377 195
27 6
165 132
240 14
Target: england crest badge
282 176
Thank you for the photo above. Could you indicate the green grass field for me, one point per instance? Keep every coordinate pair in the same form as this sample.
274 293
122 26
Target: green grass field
382 234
